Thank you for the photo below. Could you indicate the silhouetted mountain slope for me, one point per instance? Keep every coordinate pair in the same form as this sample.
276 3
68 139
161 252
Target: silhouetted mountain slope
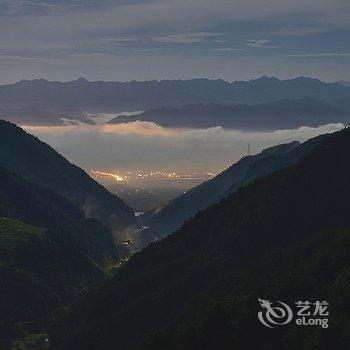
76 97
284 237
173 215
283 114
50 254
226 316
267 165
42 207
26 155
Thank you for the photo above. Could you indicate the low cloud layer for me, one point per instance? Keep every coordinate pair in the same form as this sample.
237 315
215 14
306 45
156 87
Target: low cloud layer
146 146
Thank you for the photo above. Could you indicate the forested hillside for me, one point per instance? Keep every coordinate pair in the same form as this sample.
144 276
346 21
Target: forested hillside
26 155
284 237
50 255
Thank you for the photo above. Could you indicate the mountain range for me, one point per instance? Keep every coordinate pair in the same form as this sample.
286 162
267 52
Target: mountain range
34 160
283 114
283 237
72 100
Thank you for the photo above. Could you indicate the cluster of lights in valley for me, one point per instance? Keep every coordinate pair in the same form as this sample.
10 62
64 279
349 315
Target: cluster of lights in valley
156 175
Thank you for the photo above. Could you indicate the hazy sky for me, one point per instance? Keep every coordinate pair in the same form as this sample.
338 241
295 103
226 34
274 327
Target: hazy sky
147 39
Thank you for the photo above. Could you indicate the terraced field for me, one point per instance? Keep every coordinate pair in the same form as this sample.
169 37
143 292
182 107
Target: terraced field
14 232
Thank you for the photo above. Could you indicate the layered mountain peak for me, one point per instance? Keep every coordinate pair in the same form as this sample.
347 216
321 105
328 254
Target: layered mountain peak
80 80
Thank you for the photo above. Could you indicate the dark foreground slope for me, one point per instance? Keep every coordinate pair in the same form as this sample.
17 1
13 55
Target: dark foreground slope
50 254
26 155
173 215
284 237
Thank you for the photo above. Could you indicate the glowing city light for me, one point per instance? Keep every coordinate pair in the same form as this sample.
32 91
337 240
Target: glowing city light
148 175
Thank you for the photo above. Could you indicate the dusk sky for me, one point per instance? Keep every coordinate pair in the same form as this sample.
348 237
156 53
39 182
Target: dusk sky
159 39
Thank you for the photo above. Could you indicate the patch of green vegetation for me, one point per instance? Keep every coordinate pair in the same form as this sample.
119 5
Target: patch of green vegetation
12 226
31 342
113 266
14 232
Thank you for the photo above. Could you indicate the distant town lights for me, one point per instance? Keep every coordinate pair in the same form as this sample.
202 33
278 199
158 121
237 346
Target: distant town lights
154 174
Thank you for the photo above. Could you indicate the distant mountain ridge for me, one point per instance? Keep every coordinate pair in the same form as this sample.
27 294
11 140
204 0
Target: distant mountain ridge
283 114
72 99
32 116
27 156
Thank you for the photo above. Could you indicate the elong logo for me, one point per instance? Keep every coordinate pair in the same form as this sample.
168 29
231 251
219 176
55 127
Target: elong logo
278 313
